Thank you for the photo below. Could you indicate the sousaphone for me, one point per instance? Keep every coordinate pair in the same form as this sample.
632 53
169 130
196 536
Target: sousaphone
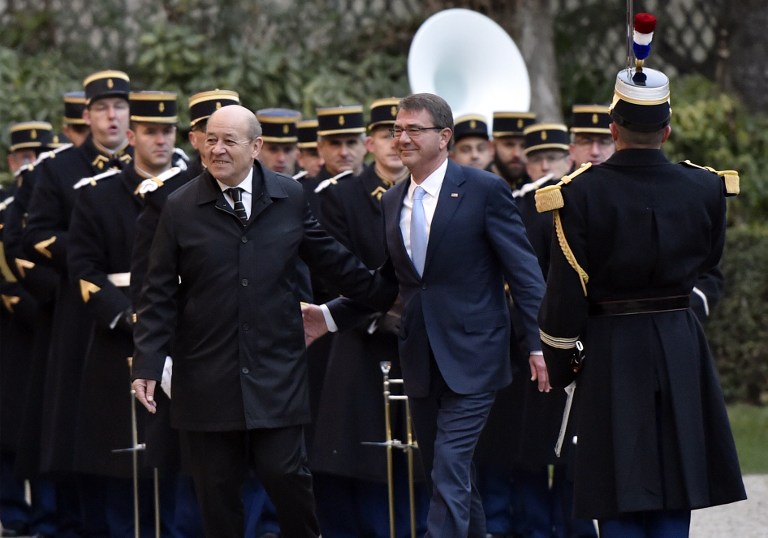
471 62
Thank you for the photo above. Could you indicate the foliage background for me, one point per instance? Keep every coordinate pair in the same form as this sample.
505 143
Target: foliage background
303 54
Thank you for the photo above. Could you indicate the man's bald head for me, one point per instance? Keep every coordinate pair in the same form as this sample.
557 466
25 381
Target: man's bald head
232 142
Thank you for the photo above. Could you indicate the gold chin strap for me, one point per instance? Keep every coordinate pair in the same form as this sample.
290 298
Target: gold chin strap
568 253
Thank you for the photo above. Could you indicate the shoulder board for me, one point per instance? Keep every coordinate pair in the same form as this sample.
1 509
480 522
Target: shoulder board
331 181
531 186
92 180
300 175
181 159
5 203
550 198
40 158
153 183
730 177
22 169
51 154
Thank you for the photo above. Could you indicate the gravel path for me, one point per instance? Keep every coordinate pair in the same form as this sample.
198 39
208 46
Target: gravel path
746 519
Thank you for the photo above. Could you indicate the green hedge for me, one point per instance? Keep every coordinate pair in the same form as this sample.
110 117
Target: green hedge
738 327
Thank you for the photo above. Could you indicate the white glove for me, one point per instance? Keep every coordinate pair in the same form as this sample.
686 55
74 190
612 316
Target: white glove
165 381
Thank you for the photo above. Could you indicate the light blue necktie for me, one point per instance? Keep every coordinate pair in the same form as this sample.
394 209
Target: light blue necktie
418 230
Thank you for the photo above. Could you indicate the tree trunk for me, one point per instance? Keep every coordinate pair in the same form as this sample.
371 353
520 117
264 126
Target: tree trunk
534 35
744 61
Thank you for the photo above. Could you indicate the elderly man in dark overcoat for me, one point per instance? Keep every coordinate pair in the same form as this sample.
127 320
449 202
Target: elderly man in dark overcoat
221 284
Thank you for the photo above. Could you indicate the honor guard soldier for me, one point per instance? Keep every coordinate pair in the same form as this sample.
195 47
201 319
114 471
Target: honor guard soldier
653 438
495 468
73 124
46 239
341 145
471 144
18 322
546 161
545 503
280 134
201 106
591 140
41 281
509 146
350 476
308 160
99 256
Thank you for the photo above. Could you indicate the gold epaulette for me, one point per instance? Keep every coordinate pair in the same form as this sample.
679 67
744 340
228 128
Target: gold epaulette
730 177
550 198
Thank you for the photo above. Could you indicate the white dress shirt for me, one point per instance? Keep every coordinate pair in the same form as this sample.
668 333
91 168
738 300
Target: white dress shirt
431 185
247 194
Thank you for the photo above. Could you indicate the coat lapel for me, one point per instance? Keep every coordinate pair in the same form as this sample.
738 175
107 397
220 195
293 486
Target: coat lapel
451 194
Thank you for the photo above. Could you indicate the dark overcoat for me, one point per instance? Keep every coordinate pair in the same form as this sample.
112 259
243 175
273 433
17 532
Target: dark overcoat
228 295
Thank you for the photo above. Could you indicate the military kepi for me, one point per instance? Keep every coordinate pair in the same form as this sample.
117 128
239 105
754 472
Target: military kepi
590 119
541 136
383 112
203 104
307 134
74 104
506 124
33 135
153 107
340 120
470 125
278 125
641 95
106 84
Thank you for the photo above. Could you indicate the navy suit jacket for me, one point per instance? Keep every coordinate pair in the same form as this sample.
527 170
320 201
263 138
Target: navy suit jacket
458 307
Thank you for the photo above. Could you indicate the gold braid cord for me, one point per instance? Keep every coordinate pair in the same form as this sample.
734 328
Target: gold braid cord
568 253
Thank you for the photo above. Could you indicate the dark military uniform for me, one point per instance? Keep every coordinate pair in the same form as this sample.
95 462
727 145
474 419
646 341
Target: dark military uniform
653 433
351 407
45 242
39 281
102 231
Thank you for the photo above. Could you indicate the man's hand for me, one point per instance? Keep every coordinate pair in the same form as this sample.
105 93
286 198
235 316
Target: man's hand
314 323
539 372
145 393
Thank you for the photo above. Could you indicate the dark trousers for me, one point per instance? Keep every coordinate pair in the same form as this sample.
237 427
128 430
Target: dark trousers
659 524
448 426
220 463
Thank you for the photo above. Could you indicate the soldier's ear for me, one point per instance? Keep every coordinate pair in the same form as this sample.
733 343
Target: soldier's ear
667 132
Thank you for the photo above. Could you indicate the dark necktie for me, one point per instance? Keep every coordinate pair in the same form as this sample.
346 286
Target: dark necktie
236 193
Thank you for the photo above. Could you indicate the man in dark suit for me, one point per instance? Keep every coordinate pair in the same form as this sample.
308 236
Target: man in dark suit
455 329
221 284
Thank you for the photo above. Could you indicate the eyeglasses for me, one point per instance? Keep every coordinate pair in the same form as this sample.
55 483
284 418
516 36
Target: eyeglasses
603 141
413 132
